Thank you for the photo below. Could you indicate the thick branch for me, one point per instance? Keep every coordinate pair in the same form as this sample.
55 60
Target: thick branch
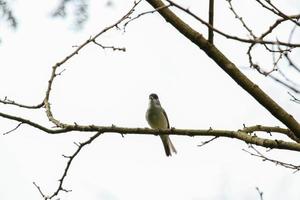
239 134
276 110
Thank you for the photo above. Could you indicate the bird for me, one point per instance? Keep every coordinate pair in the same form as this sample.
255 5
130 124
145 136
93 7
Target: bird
157 118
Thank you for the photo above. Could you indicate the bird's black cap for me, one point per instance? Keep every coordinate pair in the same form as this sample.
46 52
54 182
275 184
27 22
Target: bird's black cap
153 96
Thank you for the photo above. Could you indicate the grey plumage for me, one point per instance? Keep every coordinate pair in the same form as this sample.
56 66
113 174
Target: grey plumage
158 119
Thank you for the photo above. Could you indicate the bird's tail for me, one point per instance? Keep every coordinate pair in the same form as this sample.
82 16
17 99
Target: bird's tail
168 145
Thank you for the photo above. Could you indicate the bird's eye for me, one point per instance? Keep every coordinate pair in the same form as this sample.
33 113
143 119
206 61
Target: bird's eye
153 96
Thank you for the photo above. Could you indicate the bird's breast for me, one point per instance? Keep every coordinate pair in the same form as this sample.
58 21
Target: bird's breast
156 119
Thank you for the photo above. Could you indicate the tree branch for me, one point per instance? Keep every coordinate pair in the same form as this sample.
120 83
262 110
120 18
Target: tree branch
228 36
276 11
239 134
10 102
33 124
249 30
211 21
270 129
257 153
12 130
67 58
216 55
71 158
260 193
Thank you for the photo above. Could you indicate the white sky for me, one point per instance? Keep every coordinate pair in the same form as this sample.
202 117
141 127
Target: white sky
105 87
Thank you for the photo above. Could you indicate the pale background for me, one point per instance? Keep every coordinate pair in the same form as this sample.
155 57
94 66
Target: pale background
104 87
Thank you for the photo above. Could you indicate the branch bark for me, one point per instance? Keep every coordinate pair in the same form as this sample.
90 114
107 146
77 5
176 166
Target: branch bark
242 134
215 54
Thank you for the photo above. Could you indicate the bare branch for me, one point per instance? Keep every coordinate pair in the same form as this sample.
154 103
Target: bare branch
229 67
57 65
257 153
239 134
207 141
293 30
294 99
269 129
285 84
13 129
240 19
211 21
71 158
33 124
39 189
276 24
260 193
228 36
281 14
291 63
11 102
110 47
144 13
276 11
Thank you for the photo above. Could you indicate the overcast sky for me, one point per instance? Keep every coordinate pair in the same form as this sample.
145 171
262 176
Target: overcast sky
103 87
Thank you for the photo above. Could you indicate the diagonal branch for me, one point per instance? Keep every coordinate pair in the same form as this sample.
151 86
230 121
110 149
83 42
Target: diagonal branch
12 130
71 158
260 193
278 12
236 15
294 89
230 68
276 24
257 153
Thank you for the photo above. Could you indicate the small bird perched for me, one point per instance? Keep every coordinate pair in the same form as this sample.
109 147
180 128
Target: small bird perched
157 118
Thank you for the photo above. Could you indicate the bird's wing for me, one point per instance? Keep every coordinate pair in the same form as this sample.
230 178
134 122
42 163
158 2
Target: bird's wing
165 114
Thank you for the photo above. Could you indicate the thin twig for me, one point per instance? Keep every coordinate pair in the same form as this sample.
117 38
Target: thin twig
207 141
294 99
257 153
211 21
15 128
240 19
67 58
71 158
110 47
144 13
276 11
11 102
40 191
260 193
228 36
285 84
291 63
